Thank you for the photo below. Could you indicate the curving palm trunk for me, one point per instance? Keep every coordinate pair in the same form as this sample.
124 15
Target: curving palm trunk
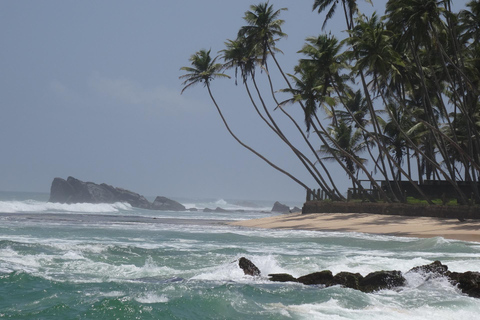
275 128
334 194
248 147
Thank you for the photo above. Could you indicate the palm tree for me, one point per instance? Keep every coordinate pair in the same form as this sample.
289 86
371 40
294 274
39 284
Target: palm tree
326 62
372 49
263 27
346 144
470 22
244 55
305 92
204 69
422 24
349 9
356 110
240 54
393 133
305 89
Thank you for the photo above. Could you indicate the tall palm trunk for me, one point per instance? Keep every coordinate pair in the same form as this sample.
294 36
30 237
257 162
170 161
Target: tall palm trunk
463 197
248 147
305 161
339 161
335 193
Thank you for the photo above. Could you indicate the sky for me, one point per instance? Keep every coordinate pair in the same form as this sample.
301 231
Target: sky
91 89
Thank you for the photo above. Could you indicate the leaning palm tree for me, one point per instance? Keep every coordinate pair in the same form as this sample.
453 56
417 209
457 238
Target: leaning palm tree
263 27
241 55
204 69
347 144
324 57
244 56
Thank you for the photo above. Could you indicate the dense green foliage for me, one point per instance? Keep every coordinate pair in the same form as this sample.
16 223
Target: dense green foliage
399 96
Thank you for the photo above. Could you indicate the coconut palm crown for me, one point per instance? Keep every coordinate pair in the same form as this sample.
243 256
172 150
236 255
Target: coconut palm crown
263 27
203 69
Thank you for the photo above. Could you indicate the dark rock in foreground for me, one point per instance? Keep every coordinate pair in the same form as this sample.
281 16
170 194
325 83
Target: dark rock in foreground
435 268
76 191
348 279
280 208
372 282
282 277
162 203
468 282
323 277
248 267
381 280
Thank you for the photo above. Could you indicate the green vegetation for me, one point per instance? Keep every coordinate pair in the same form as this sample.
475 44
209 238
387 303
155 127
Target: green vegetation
397 100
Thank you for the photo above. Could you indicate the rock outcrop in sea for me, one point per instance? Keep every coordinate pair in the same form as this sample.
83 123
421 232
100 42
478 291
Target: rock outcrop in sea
280 208
162 203
76 191
468 282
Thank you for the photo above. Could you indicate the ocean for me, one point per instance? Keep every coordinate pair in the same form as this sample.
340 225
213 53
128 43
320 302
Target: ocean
112 261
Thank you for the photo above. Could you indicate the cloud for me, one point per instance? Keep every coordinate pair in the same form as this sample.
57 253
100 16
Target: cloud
130 92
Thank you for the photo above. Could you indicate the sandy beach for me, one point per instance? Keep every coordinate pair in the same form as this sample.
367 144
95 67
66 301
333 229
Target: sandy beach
402 226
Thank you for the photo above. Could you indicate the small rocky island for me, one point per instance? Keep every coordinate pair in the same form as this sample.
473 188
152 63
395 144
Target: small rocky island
76 191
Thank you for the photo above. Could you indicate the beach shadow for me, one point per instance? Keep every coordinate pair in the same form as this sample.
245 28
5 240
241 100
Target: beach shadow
466 226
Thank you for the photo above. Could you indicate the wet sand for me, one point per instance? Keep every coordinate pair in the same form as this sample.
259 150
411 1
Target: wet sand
401 226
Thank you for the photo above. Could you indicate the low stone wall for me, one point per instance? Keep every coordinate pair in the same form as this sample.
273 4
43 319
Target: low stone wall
401 209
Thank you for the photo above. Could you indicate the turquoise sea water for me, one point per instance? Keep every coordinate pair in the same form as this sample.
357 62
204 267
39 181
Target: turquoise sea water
112 261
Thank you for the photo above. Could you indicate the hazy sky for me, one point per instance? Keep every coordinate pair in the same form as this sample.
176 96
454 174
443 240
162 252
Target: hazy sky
90 89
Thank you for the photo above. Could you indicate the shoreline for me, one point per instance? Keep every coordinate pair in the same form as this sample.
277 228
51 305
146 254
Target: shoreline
393 225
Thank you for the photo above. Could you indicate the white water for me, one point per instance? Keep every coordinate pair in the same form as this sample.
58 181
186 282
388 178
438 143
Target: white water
41 206
161 266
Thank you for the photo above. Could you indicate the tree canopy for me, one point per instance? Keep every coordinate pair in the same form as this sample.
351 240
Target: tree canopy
395 103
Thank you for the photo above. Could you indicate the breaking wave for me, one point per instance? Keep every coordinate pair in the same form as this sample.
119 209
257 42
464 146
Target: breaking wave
33 206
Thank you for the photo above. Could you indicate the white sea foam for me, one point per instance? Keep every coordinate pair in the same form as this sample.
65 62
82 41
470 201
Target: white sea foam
378 309
231 272
221 202
238 206
112 294
151 297
33 206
